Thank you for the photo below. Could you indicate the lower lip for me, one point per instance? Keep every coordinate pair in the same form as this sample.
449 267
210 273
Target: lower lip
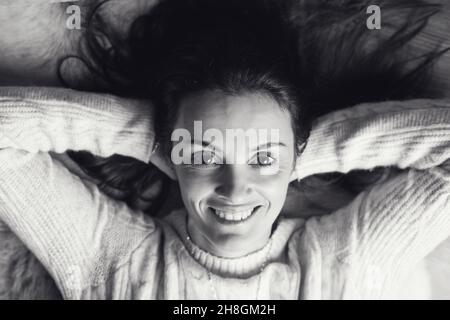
235 222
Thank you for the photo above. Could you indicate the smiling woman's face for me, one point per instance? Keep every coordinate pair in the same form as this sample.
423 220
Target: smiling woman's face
234 195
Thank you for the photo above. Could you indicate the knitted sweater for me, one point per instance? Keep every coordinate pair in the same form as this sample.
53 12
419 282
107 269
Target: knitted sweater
98 248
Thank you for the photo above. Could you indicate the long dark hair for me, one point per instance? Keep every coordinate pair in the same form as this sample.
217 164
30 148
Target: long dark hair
314 54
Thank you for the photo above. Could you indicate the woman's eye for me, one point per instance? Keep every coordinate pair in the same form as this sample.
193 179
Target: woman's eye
204 158
263 159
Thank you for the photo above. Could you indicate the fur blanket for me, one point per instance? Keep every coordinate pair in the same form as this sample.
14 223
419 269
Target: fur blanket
21 274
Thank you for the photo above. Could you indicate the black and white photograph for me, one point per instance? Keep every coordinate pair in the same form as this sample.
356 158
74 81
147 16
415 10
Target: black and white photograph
225 150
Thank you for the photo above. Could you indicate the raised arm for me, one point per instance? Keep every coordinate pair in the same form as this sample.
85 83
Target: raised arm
405 134
391 226
68 224
49 119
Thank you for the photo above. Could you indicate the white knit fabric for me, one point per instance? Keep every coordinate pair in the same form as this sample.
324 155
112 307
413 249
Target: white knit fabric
97 248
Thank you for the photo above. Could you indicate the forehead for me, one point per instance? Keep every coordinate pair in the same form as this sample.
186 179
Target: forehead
217 110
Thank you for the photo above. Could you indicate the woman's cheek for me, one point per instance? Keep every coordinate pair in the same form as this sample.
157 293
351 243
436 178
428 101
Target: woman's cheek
195 181
273 175
274 186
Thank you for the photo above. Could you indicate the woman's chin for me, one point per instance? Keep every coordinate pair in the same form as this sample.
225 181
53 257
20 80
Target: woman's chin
230 237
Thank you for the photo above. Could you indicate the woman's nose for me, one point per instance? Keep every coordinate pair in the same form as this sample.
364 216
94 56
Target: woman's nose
234 184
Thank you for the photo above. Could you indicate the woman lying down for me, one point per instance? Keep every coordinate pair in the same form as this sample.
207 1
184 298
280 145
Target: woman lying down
229 241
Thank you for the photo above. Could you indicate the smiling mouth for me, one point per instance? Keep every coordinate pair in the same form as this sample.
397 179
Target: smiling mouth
234 217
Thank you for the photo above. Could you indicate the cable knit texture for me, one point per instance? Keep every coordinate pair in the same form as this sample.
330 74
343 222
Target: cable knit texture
96 247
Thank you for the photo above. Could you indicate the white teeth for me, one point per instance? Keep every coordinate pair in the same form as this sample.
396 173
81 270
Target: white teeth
233 216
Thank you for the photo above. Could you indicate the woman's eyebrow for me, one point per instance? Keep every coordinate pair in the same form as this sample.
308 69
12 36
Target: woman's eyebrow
209 144
270 145
205 144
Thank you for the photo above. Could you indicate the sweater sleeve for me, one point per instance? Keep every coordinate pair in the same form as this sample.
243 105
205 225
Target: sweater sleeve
78 233
51 119
390 227
409 134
